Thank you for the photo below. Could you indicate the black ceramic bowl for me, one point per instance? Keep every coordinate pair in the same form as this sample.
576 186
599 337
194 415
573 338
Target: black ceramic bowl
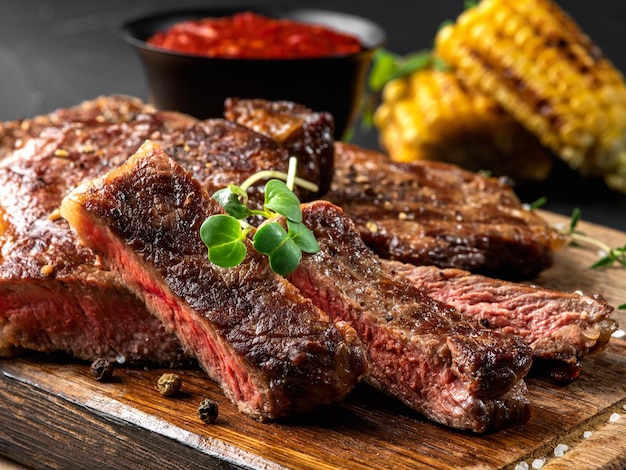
199 85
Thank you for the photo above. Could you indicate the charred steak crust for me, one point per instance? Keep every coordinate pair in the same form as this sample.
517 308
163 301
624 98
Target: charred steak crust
305 134
47 277
418 349
433 213
561 328
271 350
218 152
55 294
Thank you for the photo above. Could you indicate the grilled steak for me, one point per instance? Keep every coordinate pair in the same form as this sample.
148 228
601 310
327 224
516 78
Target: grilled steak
270 349
560 327
306 134
418 349
55 295
47 278
433 213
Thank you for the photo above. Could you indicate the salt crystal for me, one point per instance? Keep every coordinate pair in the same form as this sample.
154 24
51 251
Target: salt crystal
619 333
538 463
614 417
587 434
521 466
560 449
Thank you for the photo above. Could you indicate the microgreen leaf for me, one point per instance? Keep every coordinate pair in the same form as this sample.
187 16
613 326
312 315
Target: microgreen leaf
302 237
281 200
223 236
233 200
272 240
622 307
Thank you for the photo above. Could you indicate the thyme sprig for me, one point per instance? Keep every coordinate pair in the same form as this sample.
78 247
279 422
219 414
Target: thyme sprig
609 257
225 234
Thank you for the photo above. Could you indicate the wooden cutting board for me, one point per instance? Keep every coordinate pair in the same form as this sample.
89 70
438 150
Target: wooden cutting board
53 414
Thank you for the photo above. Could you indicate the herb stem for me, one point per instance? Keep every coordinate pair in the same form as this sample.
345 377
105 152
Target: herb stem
291 172
579 237
267 174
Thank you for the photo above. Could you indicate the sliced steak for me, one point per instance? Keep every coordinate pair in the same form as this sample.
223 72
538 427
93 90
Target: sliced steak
47 279
56 295
305 134
270 349
433 213
560 327
418 349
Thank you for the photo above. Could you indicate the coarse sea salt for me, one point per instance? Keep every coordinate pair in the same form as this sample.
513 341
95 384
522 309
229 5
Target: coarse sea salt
587 434
522 466
614 417
619 333
560 449
538 463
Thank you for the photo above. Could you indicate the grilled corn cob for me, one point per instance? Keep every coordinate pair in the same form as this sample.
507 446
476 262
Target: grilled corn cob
430 115
537 64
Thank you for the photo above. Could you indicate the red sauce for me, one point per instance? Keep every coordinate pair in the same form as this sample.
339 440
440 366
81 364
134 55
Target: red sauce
252 36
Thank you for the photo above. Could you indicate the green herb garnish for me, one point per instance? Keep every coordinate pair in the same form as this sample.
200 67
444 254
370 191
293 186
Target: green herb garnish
610 255
539 203
224 234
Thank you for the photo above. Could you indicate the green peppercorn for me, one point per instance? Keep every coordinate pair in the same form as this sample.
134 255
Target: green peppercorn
208 410
169 384
102 369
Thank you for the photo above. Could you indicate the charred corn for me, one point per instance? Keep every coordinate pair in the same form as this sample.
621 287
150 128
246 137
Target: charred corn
430 115
536 63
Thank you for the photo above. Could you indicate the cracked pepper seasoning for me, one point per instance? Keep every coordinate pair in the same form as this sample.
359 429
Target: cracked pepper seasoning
169 384
102 369
208 410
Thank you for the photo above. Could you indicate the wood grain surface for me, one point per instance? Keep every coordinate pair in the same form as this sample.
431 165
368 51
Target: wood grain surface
53 414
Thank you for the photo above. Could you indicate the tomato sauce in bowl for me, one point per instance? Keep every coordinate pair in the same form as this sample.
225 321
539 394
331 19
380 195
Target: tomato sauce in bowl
249 35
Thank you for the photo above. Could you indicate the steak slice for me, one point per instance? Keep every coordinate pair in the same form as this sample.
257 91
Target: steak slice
304 133
47 279
56 295
418 349
270 349
433 213
560 327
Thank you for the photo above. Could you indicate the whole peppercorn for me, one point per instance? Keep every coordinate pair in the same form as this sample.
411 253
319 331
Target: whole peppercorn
169 384
102 369
208 410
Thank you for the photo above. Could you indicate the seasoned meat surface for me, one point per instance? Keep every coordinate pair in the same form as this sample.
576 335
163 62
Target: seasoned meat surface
47 277
433 213
421 351
270 349
305 134
55 294
560 327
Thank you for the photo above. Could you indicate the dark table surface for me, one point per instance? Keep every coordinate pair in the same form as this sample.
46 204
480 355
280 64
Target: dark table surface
57 54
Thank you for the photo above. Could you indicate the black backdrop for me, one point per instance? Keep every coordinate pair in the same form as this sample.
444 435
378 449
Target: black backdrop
58 53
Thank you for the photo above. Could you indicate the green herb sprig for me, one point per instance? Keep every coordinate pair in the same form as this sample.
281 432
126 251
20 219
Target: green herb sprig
611 255
225 234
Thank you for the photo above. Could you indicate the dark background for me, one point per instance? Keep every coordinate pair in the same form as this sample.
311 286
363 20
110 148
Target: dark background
58 53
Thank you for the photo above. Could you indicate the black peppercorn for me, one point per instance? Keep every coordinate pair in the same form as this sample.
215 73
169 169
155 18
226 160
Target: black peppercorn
208 410
102 369
169 384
